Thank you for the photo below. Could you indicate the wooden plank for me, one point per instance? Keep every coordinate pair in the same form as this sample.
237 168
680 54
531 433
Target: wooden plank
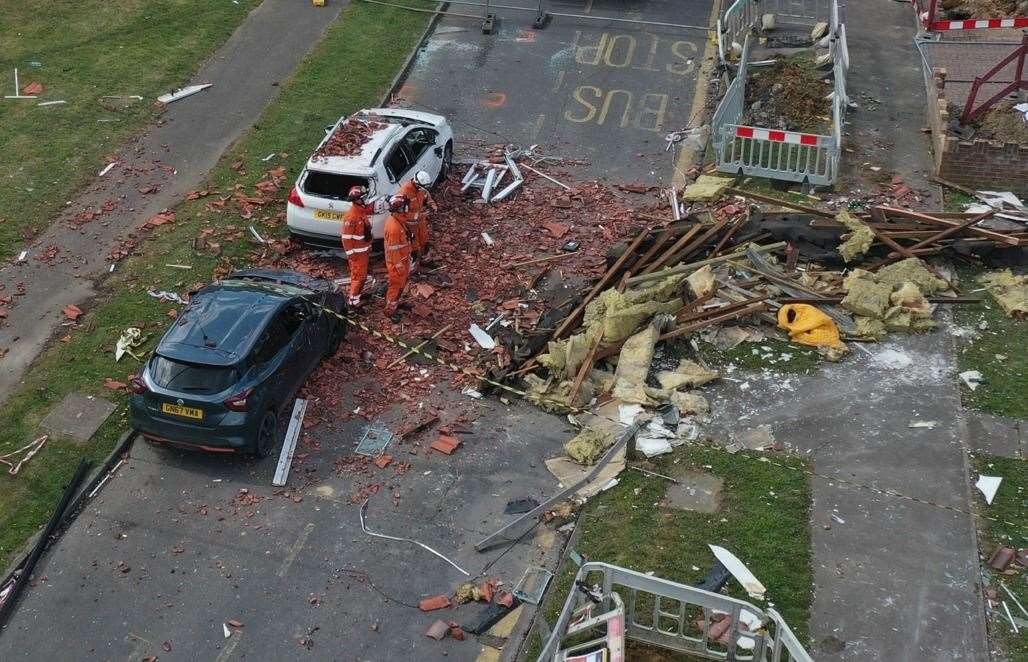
953 230
662 239
692 266
700 241
981 232
838 299
576 314
285 458
781 203
682 241
697 326
419 346
728 235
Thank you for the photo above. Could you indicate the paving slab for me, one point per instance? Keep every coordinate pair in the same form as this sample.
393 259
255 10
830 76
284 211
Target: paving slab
78 416
894 579
178 543
995 435
696 491
602 91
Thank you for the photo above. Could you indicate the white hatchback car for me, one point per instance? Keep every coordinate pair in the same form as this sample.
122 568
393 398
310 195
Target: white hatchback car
380 148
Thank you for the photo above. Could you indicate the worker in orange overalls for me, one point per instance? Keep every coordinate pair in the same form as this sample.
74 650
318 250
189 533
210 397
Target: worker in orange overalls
356 236
397 243
416 190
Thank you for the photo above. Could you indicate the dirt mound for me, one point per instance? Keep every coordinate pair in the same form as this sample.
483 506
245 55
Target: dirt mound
1002 123
789 96
958 10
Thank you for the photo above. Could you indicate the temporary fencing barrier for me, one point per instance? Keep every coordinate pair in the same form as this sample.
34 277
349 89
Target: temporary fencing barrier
665 613
739 19
794 156
928 18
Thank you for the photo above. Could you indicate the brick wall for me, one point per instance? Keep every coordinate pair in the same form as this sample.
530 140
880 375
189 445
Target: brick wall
978 164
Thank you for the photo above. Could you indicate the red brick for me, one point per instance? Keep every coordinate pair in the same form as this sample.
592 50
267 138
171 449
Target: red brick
437 602
446 444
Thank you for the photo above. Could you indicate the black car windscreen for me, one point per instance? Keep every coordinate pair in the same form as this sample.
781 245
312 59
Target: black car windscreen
191 378
330 184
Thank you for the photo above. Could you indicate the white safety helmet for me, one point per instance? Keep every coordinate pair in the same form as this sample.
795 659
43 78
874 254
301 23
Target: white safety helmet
422 179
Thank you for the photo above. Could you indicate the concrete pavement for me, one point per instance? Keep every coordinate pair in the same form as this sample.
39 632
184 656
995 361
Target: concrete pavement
175 155
894 579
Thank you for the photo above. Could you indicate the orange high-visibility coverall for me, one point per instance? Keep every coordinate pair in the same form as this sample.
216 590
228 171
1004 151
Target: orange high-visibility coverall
415 218
356 235
397 258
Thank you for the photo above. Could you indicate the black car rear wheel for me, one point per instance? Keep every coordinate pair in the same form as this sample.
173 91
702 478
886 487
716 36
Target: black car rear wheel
267 435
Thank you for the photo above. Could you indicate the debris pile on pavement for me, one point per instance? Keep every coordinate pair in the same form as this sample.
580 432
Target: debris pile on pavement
733 269
500 273
349 137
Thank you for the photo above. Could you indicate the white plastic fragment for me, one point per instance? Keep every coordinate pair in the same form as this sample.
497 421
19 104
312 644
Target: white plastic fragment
52 103
988 485
972 378
107 169
487 239
742 574
226 631
484 340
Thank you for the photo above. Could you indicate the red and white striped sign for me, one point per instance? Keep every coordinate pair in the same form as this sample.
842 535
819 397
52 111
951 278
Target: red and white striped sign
790 137
980 24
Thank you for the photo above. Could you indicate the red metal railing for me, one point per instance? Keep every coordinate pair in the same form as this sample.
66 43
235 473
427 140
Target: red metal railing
1018 83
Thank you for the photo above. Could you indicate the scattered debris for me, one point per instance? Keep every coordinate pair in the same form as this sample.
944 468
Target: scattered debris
988 485
182 93
364 528
741 573
30 449
131 338
972 378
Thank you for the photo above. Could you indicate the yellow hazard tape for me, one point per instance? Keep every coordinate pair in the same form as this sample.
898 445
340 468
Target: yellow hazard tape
578 410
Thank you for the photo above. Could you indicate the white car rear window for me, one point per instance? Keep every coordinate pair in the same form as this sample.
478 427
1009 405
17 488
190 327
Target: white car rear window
330 184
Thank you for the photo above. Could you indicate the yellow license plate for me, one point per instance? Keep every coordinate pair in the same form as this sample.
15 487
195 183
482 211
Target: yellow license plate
327 215
179 410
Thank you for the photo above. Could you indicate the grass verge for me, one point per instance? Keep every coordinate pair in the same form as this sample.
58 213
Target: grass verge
88 53
1008 506
764 519
374 41
997 347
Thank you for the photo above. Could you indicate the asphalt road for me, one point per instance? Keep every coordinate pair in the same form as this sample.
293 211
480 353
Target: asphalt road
602 91
175 155
170 550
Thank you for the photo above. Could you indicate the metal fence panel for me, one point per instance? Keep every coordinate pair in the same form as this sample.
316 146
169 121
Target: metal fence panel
740 18
665 614
785 155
